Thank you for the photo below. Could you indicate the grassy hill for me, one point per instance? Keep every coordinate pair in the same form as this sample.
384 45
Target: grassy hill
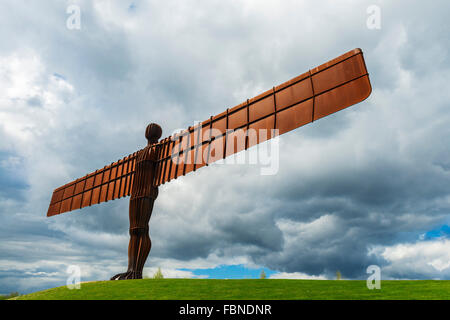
252 289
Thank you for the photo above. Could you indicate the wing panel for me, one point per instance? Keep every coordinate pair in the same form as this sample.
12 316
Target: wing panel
108 183
262 108
338 74
297 116
342 97
294 94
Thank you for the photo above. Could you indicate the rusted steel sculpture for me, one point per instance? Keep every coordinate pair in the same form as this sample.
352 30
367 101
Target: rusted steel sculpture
333 86
143 195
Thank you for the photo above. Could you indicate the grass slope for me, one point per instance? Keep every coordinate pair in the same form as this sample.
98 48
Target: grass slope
268 289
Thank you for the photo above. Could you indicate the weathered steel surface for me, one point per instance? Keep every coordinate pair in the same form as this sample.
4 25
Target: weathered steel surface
143 195
112 182
319 92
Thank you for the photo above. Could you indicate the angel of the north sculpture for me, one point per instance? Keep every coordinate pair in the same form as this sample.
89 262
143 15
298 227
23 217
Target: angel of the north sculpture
319 92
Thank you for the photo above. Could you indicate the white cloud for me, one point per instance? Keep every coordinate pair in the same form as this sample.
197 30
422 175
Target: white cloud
295 275
171 273
425 259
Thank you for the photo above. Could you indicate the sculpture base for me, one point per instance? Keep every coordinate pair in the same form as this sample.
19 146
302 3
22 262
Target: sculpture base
127 276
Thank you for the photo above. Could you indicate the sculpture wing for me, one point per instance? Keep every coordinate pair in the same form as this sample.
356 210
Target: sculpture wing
333 86
112 182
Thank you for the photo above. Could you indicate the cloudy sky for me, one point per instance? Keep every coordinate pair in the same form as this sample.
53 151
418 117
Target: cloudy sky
368 185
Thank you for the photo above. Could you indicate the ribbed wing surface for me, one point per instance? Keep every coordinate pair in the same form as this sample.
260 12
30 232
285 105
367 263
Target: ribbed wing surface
321 91
112 182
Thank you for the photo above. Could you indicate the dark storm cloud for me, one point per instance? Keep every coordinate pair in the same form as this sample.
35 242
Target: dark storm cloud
368 178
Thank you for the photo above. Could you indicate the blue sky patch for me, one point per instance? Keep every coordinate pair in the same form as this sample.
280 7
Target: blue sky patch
231 272
443 231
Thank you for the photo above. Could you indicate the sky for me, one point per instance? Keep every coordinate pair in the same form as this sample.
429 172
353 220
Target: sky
366 186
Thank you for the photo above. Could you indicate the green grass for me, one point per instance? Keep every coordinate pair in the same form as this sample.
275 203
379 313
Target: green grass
267 289
8 296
